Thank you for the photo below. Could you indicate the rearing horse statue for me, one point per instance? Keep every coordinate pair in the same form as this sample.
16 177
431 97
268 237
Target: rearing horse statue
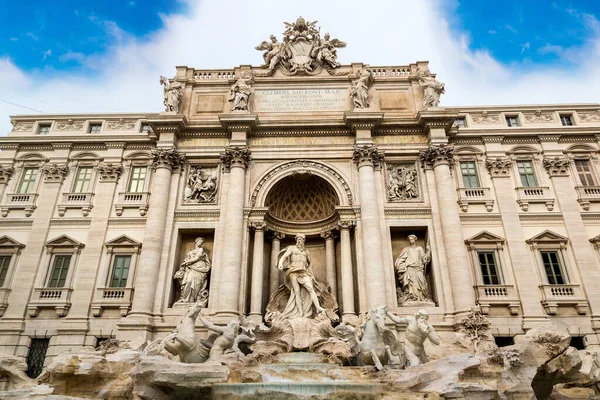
373 343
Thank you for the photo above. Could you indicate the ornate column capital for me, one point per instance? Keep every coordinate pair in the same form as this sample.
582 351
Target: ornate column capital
437 155
54 172
277 235
236 156
499 167
167 158
109 172
345 225
331 234
367 156
557 166
5 173
258 225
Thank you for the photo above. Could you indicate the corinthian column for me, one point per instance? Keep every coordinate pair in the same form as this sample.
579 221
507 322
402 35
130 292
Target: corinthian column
235 159
346 271
274 271
439 158
374 276
165 160
258 260
329 237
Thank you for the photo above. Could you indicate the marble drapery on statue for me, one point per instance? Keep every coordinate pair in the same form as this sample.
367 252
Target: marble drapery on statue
432 89
173 93
410 266
301 295
240 92
359 89
193 275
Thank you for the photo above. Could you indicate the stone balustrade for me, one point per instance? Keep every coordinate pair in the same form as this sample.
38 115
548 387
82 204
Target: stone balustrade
19 201
534 194
563 295
57 298
139 200
468 196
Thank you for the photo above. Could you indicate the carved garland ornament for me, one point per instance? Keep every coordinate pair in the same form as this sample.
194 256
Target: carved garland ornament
121 124
301 164
436 155
538 117
54 172
167 158
486 118
236 156
590 116
69 125
557 166
499 167
22 127
5 173
367 156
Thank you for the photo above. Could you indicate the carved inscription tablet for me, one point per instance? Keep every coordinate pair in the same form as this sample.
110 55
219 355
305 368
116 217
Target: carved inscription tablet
301 100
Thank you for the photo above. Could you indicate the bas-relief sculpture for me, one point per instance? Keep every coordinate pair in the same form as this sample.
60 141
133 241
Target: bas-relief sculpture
193 275
239 94
302 51
359 89
201 185
432 89
402 183
411 267
173 93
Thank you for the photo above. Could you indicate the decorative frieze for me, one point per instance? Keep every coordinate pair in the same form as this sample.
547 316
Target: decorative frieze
593 116
486 118
499 167
201 185
401 182
5 173
109 172
557 166
167 158
367 156
22 126
539 117
121 125
69 125
236 156
437 154
54 172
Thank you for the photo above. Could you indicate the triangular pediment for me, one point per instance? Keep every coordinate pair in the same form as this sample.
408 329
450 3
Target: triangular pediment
548 237
123 241
6 242
485 237
595 239
64 241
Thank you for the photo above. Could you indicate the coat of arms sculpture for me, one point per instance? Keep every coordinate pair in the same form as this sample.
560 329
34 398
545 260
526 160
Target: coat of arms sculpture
302 51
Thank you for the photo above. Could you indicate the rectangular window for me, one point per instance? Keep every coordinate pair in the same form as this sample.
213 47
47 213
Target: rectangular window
584 170
460 122
4 263
120 271
489 270
36 357
137 179
566 120
94 128
43 129
512 121
28 178
146 128
553 268
82 180
469 174
60 268
526 173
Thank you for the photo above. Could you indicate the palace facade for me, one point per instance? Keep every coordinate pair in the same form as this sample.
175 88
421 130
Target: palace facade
99 211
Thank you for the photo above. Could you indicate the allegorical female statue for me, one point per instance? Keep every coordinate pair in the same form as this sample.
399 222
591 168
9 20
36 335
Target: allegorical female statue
359 89
432 89
173 93
240 92
410 265
193 275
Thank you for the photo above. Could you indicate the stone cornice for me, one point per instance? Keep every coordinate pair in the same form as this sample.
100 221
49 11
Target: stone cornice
242 121
167 123
436 118
167 158
362 120
437 155
236 156
499 167
557 166
367 156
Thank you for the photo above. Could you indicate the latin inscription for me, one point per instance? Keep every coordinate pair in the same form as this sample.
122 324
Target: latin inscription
301 100
304 141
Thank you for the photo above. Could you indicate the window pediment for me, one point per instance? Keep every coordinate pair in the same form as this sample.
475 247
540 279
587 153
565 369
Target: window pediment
7 242
122 241
548 237
484 237
64 241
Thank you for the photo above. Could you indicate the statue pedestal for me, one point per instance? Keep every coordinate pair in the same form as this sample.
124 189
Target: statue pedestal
418 304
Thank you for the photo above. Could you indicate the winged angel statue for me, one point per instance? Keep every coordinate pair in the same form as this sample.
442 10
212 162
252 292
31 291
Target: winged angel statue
302 50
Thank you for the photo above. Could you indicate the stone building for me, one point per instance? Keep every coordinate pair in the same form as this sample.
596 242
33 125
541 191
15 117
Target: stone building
99 211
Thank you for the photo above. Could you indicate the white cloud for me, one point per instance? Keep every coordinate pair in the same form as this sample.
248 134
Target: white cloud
47 54
218 36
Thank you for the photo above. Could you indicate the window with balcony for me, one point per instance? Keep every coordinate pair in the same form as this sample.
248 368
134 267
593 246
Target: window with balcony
512 121
81 184
566 120
137 179
120 271
10 251
527 173
94 127
468 170
28 180
489 269
60 269
584 172
553 268
4 265
43 129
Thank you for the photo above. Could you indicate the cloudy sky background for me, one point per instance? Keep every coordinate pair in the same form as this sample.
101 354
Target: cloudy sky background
65 57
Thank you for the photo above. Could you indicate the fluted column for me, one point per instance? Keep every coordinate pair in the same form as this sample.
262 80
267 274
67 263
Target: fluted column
347 278
329 237
258 261
439 158
165 160
374 276
235 159
274 271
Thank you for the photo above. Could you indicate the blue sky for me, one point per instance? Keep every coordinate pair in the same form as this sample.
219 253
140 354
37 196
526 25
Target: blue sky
106 55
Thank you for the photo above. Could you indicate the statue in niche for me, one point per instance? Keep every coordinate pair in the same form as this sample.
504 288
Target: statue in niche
193 275
402 183
173 93
359 89
417 331
325 51
411 265
201 185
300 295
432 89
240 92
